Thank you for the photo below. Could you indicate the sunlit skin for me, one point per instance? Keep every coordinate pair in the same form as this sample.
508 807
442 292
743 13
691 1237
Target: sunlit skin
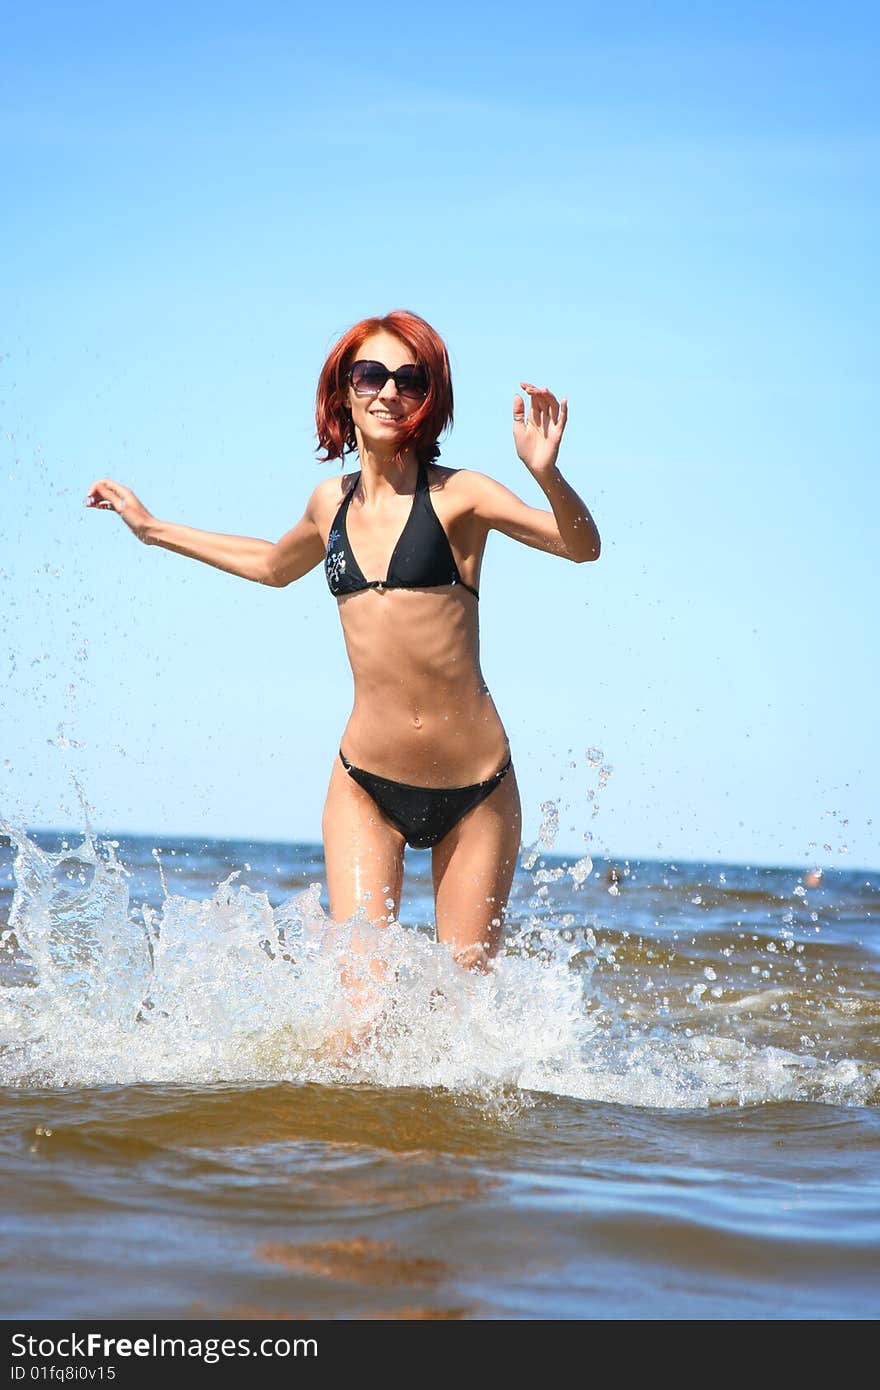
422 713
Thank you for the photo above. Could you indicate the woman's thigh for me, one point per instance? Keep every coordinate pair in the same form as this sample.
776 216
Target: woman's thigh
473 869
363 853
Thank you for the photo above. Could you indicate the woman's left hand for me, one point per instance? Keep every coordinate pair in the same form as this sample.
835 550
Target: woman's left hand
538 438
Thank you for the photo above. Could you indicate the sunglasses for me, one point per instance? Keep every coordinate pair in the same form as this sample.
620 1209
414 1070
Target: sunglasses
368 378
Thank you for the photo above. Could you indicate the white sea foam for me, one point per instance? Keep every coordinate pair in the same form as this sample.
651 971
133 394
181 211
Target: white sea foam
230 989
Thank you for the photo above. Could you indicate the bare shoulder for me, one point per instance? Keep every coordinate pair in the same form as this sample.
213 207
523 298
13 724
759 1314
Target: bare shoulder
326 497
462 486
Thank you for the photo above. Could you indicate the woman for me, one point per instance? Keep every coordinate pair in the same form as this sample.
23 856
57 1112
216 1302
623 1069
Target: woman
424 758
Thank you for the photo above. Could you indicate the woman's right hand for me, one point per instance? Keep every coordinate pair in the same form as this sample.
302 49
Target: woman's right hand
110 496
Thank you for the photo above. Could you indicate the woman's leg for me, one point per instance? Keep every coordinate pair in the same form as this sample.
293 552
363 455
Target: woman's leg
363 858
363 853
473 869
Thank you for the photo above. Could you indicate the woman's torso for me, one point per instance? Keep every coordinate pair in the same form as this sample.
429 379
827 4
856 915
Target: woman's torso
422 712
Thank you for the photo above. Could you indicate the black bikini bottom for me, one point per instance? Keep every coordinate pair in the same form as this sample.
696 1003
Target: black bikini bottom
423 815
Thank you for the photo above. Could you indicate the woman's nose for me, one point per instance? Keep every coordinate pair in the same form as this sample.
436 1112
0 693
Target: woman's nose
390 387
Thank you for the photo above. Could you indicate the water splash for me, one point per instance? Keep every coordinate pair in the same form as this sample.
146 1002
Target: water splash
98 990
230 989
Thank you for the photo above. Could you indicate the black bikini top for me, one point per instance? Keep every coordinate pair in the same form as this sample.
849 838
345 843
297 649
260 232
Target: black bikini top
421 559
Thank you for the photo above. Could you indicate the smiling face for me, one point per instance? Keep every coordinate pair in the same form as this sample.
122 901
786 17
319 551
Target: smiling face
377 418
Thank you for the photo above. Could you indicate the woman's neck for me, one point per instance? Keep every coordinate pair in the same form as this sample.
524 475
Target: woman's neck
383 472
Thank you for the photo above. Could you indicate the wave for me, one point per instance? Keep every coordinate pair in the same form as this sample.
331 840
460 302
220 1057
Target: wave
96 990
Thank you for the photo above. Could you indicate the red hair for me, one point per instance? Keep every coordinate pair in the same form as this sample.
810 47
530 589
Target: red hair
333 421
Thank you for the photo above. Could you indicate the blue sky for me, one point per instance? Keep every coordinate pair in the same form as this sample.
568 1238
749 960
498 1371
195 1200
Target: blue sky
668 213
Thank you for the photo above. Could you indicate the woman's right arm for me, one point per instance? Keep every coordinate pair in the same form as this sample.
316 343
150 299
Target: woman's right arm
266 562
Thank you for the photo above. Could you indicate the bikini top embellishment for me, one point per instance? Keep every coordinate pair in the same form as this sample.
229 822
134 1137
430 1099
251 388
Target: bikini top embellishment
421 559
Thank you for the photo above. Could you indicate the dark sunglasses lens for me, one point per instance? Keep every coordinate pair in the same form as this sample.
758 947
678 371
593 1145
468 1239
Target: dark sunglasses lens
368 377
412 382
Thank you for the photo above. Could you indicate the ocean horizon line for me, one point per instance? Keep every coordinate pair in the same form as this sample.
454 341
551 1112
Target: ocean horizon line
671 862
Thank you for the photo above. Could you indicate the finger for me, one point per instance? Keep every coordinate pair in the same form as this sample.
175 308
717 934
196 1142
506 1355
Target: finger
107 496
563 414
549 402
519 410
541 411
535 406
543 391
544 402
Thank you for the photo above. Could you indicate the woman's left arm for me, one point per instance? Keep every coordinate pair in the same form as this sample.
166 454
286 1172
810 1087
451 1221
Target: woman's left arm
568 530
